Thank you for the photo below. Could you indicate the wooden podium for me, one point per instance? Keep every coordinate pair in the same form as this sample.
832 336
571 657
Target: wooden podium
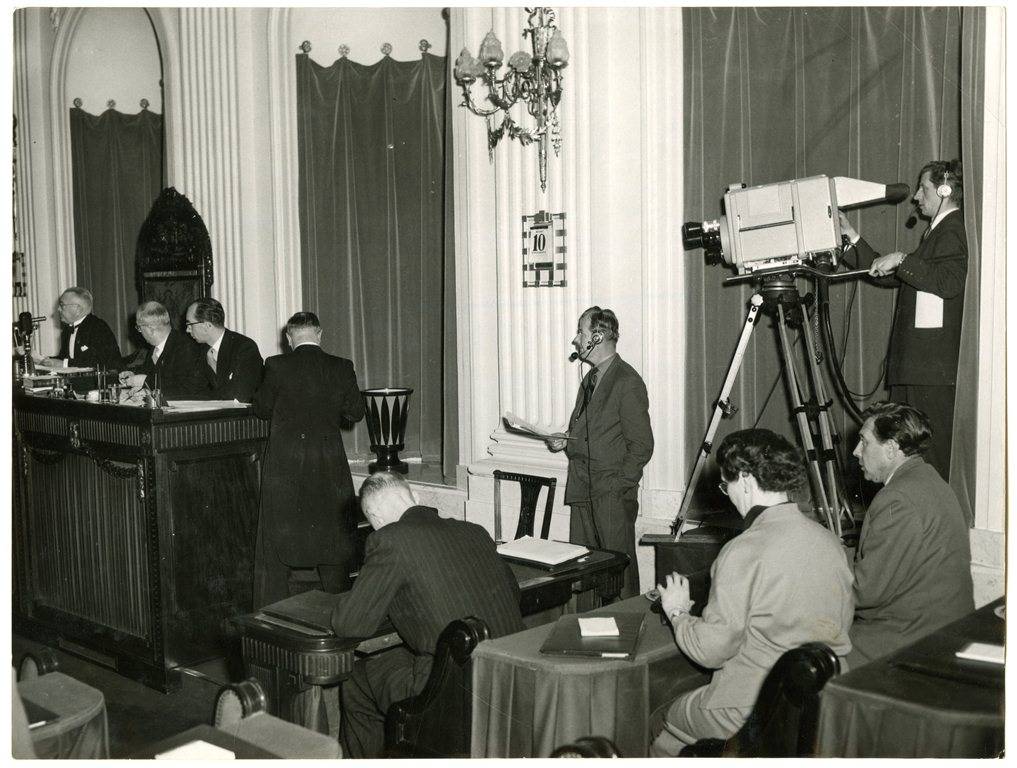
134 530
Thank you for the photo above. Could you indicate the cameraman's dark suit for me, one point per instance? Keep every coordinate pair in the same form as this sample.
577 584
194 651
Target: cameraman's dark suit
238 368
610 441
95 345
921 368
306 487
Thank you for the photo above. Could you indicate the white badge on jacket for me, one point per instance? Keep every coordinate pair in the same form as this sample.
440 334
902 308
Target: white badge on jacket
928 310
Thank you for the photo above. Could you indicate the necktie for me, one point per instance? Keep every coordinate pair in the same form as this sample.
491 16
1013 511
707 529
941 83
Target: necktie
155 355
591 383
211 359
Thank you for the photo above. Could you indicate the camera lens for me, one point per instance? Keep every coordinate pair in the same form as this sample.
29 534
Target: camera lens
705 235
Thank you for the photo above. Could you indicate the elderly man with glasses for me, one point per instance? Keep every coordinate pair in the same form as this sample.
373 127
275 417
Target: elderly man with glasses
85 340
174 363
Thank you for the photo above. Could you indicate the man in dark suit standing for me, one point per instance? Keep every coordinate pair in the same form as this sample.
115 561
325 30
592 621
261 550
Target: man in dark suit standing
422 572
921 367
306 520
912 566
232 361
608 443
85 340
173 364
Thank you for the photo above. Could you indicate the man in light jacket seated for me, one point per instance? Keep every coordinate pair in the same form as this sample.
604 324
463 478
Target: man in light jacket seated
784 581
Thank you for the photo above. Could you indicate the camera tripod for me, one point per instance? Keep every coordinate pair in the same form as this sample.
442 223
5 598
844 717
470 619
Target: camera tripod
779 292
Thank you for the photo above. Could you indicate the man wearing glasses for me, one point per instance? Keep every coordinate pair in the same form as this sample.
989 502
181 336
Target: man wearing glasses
174 363
232 361
85 340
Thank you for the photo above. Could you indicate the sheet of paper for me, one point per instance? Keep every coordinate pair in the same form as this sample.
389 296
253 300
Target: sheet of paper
61 369
928 310
545 551
197 750
600 626
982 652
523 427
204 405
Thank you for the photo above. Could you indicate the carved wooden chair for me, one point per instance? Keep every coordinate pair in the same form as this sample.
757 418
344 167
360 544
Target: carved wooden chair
529 493
783 722
437 721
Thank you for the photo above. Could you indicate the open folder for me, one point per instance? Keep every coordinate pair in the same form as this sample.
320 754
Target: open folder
567 640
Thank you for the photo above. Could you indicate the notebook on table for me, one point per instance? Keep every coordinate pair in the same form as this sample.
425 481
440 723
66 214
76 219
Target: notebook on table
567 640
542 553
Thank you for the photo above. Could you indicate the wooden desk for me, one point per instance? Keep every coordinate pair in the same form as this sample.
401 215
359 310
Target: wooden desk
290 648
526 704
134 530
888 709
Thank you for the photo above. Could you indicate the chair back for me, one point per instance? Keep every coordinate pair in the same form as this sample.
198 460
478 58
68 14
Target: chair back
437 722
529 493
783 722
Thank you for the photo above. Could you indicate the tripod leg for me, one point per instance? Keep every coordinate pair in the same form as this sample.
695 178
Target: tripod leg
804 431
719 410
827 429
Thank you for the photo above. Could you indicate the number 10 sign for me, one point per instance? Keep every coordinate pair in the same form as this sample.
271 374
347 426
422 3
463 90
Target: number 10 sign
543 250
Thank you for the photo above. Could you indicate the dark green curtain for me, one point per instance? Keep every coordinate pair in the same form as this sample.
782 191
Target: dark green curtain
117 163
375 243
773 94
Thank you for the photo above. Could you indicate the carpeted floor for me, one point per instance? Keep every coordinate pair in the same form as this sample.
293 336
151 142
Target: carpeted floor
138 715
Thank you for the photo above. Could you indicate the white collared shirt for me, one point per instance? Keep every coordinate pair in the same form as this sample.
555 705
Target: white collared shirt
70 343
218 343
158 349
940 216
314 343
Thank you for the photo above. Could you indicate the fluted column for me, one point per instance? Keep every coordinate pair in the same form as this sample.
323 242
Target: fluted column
209 115
663 288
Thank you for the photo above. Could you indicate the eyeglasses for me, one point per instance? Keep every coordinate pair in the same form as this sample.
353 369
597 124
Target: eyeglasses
143 326
189 323
65 304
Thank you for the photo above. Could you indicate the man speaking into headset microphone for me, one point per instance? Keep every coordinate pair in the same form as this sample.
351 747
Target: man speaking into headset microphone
608 443
921 365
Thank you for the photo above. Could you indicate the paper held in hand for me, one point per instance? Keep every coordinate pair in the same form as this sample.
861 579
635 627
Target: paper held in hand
520 426
545 551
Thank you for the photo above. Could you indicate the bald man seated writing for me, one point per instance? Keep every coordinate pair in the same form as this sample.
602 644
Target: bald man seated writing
422 572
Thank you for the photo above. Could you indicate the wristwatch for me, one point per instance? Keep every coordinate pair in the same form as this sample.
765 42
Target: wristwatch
678 612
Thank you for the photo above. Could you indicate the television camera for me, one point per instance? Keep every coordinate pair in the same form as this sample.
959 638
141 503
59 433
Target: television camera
772 234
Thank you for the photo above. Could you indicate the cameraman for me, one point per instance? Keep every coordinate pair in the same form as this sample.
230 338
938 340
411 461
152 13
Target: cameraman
921 365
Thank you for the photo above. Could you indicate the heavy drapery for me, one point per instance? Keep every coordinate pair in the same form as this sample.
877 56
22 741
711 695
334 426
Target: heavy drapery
376 249
117 163
773 94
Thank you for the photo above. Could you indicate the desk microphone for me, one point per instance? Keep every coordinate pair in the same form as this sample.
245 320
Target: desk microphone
911 221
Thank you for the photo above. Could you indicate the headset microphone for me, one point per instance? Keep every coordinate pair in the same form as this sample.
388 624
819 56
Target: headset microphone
911 221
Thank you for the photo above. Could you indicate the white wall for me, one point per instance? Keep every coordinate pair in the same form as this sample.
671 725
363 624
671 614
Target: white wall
115 56
365 30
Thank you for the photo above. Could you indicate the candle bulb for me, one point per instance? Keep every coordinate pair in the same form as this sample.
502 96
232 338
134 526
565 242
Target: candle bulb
491 53
557 53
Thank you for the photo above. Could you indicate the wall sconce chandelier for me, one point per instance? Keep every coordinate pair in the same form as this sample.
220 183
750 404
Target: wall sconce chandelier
534 79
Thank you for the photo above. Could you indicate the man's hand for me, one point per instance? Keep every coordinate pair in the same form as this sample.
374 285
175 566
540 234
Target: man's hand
886 265
134 381
846 228
51 362
556 442
674 595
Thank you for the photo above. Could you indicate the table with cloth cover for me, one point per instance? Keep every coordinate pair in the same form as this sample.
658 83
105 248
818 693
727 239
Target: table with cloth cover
80 730
525 704
885 710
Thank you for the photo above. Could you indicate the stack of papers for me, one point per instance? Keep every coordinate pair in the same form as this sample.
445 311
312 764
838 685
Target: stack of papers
988 652
544 551
599 626
197 750
204 405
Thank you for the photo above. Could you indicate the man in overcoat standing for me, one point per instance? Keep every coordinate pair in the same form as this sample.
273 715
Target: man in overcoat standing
306 520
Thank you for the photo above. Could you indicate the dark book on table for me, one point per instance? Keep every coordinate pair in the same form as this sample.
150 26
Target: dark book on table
566 640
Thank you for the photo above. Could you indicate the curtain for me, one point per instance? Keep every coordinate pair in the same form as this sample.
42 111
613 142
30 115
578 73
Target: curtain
117 164
774 94
375 242
965 412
